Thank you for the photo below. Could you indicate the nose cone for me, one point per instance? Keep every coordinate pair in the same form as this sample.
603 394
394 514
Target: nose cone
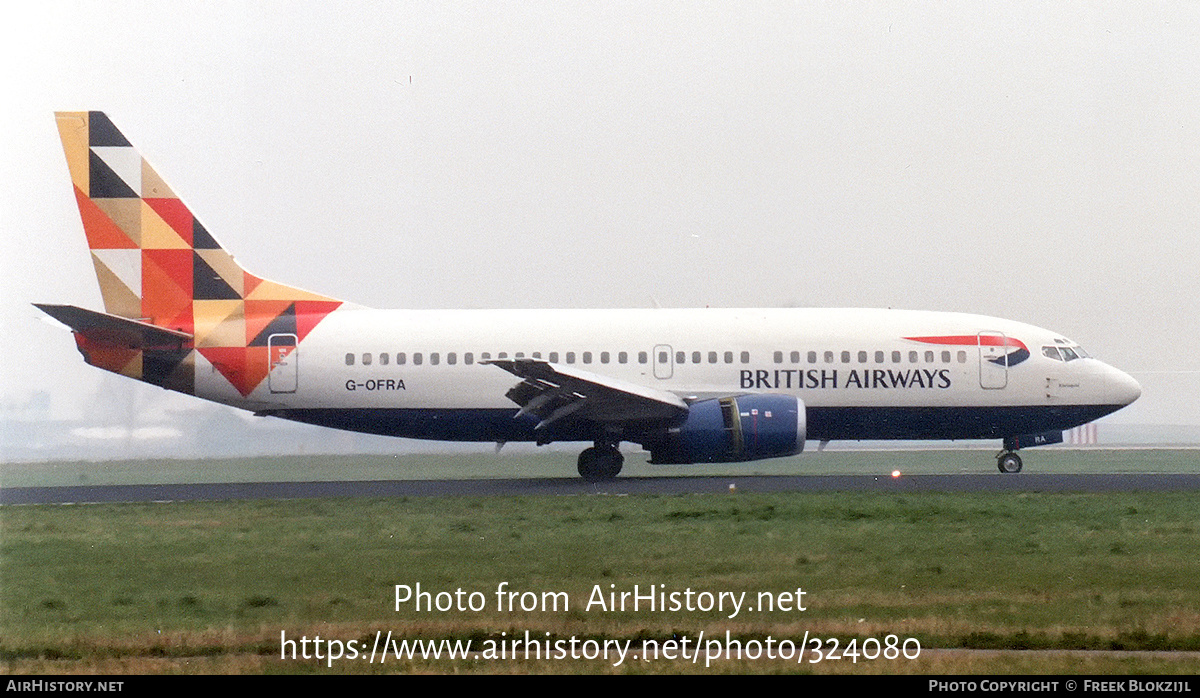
1121 387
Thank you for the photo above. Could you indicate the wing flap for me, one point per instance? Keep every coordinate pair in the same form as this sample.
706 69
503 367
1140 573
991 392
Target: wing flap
553 391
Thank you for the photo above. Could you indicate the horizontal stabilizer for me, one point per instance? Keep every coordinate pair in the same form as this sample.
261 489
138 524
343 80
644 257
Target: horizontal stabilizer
103 328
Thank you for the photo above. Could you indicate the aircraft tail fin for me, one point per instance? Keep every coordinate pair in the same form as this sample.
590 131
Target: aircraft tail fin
158 265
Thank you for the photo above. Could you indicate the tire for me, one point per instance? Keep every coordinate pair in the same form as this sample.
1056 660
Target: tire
1009 463
600 463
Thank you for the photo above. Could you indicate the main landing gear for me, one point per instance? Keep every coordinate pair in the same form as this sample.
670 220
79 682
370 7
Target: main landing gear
1008 462
600 462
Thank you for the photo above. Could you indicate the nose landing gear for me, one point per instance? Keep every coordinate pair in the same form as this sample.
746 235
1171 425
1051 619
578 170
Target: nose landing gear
1008 462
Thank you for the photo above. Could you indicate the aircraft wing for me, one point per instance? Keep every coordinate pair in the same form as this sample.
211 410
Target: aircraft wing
553 391
112 329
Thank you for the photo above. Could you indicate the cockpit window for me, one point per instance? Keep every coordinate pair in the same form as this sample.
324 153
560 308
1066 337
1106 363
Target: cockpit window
1064 350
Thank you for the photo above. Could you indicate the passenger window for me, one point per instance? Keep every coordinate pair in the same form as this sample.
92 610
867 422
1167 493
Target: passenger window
663 357
929 357
962 357
587 357
400 357
945 357
878 357
383 359
828 357
537 354
680 357
434 358
366 359
778 357
502 355
795 357
643 357
468 358
349 359
696 357
745 357
728 357
712 357
912 357
451 358
570 357
812 357
845 357
895 357
485 356
553 358
623 357
862 357
520 355
416 358
603 357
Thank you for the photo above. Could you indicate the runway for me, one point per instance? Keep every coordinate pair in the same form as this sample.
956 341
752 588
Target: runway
975 482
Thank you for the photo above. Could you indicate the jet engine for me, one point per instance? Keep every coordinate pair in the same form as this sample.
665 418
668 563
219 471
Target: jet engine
735 428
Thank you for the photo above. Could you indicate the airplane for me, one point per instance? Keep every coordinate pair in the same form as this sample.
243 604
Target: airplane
701 385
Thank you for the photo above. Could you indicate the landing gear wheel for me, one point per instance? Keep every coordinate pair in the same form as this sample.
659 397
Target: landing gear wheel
600 463
1008 462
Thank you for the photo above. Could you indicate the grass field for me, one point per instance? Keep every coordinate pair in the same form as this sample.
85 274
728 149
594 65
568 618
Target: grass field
210 587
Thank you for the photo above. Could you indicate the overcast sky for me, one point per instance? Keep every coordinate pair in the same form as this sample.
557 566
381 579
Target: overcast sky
1033 161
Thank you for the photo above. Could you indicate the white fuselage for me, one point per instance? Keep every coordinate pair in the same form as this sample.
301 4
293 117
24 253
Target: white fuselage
859 372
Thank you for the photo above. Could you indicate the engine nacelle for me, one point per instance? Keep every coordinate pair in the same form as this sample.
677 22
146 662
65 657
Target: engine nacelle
735 428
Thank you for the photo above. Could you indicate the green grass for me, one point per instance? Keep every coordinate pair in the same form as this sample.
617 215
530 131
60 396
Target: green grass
209 586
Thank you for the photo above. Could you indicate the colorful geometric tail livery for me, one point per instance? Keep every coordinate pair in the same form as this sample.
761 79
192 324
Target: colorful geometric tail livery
176 302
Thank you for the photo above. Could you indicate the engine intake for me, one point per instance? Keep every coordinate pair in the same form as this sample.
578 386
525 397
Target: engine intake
735 428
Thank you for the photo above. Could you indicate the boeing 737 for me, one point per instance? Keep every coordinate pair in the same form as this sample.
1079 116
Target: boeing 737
689 386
